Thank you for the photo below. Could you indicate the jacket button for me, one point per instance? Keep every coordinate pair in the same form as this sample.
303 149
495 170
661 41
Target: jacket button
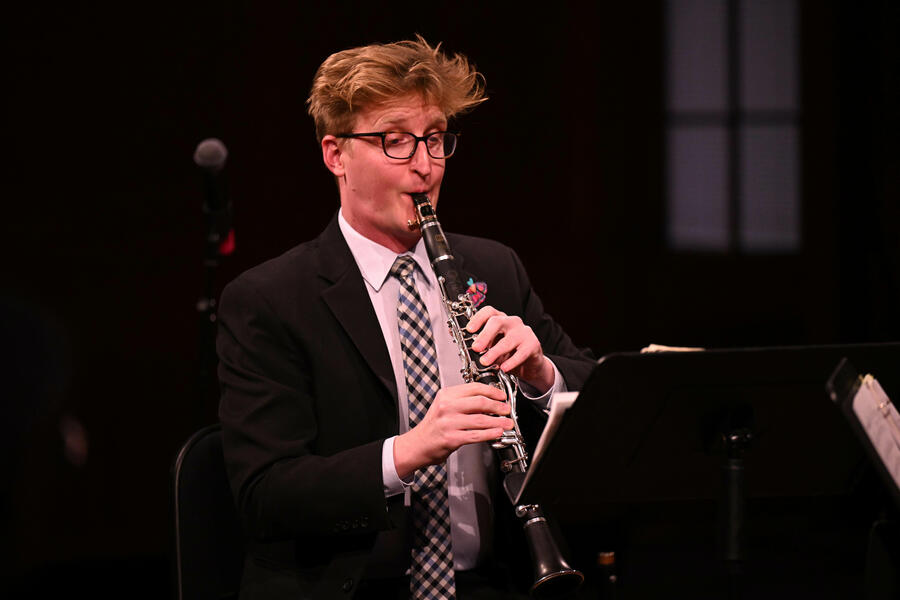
347 586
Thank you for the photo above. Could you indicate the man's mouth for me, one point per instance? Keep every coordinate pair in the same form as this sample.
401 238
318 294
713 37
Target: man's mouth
413 224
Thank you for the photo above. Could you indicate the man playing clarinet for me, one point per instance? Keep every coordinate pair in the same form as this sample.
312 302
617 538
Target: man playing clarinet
360 459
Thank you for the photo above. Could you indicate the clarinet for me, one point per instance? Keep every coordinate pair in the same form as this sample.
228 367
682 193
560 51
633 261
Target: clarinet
553 576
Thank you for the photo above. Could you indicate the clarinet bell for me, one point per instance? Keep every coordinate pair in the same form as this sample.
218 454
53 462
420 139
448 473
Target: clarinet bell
553 577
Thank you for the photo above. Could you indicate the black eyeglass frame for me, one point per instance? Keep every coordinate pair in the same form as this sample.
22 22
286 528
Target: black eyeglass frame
418 138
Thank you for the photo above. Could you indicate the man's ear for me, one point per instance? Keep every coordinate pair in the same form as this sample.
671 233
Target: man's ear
333 155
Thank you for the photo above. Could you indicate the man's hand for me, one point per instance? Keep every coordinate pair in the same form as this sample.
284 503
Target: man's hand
511 345
459 415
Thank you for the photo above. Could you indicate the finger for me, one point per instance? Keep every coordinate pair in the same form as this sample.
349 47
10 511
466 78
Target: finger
451 394
494 407
480 389
479 318
481 405
473 428
479 421
495 363
494 329
518 358
476 436
516 341
505 346
501 423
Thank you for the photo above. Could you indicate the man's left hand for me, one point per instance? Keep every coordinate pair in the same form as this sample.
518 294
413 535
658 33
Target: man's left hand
511 345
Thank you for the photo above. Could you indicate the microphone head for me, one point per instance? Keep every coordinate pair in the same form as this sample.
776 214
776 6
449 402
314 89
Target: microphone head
211 154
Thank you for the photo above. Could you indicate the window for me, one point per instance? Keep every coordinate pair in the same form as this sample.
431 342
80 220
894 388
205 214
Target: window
732 126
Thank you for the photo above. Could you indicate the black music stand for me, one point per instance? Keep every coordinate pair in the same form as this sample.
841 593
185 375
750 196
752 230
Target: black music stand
721 425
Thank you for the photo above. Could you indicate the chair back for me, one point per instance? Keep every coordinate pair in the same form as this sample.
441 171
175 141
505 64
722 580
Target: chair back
209 548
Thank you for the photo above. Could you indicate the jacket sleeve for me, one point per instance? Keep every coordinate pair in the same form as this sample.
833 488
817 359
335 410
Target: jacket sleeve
268 410
574 363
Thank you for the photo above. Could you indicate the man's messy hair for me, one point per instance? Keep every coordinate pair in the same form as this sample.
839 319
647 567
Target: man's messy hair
354 79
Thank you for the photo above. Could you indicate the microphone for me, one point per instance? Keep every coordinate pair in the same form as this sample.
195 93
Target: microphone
210 156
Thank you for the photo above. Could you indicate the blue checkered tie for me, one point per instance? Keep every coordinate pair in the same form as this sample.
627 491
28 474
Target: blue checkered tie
431 569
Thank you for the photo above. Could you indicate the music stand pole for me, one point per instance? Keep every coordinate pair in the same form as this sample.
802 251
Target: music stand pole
733 509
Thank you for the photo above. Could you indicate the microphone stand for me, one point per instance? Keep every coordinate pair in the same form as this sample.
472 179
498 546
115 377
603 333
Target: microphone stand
217 245
211 156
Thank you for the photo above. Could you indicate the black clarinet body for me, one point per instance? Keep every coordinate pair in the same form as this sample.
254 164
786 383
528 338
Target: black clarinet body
553 576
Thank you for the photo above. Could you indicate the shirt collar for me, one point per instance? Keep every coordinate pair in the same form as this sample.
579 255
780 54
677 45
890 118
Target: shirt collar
375 261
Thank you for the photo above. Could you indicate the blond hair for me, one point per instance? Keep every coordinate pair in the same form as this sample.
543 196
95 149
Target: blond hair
354 79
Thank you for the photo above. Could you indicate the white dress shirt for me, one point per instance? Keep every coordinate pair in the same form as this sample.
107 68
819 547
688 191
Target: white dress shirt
468 468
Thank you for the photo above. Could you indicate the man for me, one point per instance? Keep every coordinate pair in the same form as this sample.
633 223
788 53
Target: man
356 453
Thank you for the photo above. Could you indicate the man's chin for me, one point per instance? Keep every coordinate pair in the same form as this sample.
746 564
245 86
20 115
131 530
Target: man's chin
408 238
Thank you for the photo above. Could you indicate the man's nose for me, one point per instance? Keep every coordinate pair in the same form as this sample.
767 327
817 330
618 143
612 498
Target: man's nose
421 161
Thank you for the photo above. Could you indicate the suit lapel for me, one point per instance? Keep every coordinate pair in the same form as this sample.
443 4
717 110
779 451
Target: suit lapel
346 297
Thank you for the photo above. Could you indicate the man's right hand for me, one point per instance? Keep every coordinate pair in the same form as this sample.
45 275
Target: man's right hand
459 415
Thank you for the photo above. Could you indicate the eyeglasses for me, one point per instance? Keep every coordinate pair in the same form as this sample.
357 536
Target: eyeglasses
402 144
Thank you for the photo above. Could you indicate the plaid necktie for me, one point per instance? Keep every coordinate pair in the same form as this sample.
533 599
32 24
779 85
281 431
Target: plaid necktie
431 570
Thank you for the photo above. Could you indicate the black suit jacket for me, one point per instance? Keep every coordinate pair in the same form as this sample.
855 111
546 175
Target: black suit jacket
308 398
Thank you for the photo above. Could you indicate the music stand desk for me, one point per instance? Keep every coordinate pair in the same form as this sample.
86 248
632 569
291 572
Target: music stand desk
649 427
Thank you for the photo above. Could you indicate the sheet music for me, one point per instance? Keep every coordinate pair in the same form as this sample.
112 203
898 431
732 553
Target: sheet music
881 422
558 407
